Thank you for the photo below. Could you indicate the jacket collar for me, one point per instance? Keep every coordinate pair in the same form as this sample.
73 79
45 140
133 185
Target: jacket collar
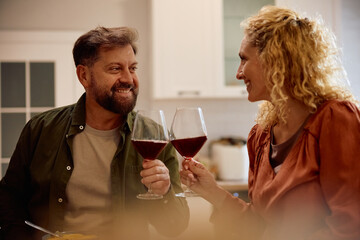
78 117
79 112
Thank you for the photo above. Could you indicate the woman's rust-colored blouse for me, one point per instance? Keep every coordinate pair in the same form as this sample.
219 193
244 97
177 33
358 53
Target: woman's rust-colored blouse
315 194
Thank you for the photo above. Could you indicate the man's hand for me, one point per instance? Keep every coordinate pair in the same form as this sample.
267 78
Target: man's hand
155 173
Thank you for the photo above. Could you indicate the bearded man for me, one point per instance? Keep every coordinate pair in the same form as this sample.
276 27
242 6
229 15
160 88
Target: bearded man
74 167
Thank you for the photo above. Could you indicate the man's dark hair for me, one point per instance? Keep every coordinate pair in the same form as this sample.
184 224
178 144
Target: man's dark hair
86 48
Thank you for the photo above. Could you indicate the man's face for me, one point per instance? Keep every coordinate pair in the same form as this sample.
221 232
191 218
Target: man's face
114 83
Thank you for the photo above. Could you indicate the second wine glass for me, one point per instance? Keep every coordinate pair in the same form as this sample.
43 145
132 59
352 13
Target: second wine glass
149 137
188 134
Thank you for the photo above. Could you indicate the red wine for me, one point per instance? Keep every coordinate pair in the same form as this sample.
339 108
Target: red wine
149 149
189 147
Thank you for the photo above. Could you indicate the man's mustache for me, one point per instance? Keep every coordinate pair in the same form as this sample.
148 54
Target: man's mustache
122 85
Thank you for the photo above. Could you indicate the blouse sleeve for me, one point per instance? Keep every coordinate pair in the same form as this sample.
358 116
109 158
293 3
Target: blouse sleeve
251 146
236 219
339 154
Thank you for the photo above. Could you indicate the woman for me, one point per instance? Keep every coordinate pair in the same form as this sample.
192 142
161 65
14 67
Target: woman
304 150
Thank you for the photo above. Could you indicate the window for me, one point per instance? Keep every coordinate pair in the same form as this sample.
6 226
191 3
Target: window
37 73
27 88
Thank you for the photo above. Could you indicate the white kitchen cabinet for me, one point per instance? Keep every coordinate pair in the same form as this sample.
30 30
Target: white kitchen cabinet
188 53
232 13
187 50
183 48
195 44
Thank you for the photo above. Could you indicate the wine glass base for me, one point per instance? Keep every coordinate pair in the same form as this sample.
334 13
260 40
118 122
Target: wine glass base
187 194
149 196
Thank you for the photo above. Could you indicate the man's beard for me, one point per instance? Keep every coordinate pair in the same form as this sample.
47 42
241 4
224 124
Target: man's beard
108 100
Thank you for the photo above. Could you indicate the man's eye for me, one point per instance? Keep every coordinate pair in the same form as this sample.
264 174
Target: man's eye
133 69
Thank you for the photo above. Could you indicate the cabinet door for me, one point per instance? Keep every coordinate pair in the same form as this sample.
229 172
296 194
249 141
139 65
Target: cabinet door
192 40
195 43
183 48
37 74
231 14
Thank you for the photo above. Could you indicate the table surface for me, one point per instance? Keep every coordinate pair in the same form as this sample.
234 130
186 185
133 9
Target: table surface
233 185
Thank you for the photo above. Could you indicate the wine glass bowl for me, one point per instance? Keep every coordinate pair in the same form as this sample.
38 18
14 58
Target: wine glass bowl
188 134
189 147
149 137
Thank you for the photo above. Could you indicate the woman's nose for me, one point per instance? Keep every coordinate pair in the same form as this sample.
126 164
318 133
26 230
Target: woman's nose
240 75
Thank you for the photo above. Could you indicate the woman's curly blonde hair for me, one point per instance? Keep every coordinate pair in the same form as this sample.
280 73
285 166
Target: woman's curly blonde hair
300 60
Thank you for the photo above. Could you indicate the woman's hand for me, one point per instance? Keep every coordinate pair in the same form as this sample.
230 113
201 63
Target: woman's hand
200 180
156 174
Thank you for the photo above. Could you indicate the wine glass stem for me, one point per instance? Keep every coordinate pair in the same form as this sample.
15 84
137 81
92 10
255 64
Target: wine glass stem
150 189
187 188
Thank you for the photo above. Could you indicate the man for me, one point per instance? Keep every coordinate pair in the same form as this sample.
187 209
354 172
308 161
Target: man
74 168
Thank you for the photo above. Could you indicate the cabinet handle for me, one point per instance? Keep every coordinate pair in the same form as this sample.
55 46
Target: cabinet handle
192 93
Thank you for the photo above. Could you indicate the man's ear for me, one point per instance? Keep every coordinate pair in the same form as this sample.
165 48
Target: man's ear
83 74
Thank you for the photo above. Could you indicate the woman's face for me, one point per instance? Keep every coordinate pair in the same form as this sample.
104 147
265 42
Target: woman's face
251 71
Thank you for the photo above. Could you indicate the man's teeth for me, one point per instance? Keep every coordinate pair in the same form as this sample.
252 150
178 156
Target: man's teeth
123 90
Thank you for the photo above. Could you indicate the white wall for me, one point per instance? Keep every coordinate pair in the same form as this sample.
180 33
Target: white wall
231 117
82 15
350 32
223 117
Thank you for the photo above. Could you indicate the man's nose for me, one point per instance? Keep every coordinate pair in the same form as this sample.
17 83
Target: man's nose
126 76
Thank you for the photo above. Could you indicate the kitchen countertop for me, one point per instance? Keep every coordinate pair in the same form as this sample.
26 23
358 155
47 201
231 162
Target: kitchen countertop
234 185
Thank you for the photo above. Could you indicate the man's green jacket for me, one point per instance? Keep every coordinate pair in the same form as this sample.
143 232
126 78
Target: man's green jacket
33 187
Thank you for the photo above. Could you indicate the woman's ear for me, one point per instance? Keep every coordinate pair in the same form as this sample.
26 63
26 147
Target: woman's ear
83 74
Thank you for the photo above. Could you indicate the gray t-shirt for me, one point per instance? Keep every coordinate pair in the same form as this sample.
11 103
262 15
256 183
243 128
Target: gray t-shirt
88 191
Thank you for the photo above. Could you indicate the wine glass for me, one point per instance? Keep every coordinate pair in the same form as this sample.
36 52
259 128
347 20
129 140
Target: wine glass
188 134
149 137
